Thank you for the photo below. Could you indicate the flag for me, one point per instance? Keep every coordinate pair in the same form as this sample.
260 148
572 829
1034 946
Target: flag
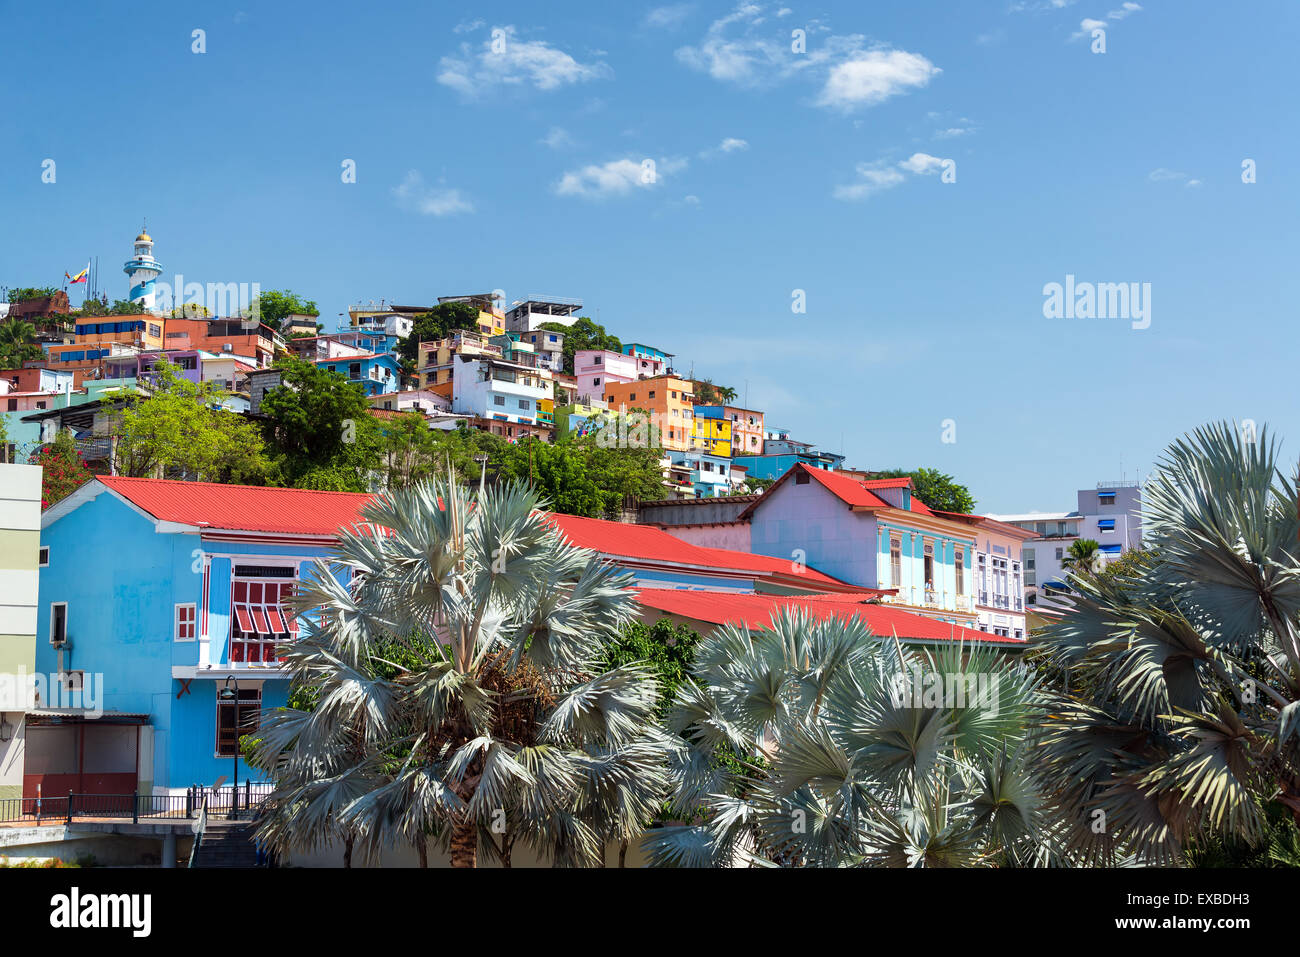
79 277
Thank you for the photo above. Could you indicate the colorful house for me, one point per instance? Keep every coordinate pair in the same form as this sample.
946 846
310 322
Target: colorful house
710 475
747 431
669 398
711 431
20 559
598 369
154 595
875 534
376 374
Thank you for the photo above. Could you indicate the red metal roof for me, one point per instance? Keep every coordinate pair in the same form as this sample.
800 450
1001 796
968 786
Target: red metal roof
755 611
308 512
288 511
854 492
651 544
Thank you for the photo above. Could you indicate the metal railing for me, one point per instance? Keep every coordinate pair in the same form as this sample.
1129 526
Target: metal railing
199 828
134 807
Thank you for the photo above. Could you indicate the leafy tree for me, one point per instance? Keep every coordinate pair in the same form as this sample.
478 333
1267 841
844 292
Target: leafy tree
865 744
668 648
436 324
498 725
756 485
23 293
180 427
125 307
273 305
581 478
411 452
583 334
18 343
63 469
936 489
319 429
1084 557
1180 726
706 393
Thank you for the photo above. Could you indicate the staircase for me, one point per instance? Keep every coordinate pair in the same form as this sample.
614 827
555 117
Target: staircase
226 844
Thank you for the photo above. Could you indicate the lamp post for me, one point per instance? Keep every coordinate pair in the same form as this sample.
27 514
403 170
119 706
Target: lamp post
227 694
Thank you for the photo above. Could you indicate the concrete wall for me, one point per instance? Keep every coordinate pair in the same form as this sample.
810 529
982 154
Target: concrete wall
20 522
732 535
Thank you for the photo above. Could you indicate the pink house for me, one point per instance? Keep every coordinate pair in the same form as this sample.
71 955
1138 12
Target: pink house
596 368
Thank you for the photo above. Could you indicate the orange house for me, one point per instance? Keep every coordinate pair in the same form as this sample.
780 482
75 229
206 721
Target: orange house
668 397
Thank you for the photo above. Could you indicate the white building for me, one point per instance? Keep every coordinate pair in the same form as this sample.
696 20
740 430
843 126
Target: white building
527 314
497 389
1107 514
549 347
20 526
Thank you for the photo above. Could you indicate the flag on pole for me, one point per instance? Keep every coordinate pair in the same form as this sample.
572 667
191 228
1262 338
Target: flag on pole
79 277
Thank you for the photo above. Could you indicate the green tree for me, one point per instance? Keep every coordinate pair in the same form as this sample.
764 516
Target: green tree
63 469
1084 558
436 324
823 723
500 725
18 343
23 293
581 478
125 307
319 429
936 489
273 305
179 428
1180 726
583 334
668 648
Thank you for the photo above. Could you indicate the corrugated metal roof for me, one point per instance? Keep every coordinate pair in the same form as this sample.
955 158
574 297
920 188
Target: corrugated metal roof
755 611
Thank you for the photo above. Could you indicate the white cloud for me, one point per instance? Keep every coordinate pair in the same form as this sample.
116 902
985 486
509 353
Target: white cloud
668 17
873 77
881 175
617 177
922 163
557 138
414 194
468 26
731 144
504 60
1163 175
1087 25
733 50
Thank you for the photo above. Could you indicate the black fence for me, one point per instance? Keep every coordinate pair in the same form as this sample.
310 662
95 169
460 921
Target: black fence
230 801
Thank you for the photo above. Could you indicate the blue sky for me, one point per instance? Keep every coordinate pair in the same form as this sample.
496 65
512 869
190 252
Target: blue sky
775 171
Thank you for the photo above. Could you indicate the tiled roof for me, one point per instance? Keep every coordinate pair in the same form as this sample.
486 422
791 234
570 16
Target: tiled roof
855 492
719 608
247 508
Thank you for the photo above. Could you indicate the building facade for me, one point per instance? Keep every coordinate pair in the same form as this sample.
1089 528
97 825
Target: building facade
20 561
668 398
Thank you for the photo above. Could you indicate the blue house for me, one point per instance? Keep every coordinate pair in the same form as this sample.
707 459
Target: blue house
154 597
377 374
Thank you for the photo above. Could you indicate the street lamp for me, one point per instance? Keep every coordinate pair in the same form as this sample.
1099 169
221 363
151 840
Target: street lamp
227 694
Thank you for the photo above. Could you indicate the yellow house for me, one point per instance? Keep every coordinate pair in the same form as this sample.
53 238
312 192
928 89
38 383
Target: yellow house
711 436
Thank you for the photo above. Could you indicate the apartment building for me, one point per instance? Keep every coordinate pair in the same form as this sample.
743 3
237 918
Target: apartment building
667 397
498 390
526 315
595 369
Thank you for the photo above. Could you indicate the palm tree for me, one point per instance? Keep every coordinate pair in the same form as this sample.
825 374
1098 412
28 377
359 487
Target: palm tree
815 743
456 692
1083 558
726 393
18 343
1183 725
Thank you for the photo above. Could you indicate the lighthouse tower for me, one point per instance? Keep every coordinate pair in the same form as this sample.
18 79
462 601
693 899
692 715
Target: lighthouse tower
142 269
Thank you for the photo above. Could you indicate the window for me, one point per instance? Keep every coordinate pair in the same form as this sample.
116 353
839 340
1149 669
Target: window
929 566
801 478
1106 498
596 360
596 381
354 370
236 718
184 622
1105 525
896 561
44 556
524 404
498 400
58 623
1028 556
631 397
961 580
652 393
672 394
259 621
1060 553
